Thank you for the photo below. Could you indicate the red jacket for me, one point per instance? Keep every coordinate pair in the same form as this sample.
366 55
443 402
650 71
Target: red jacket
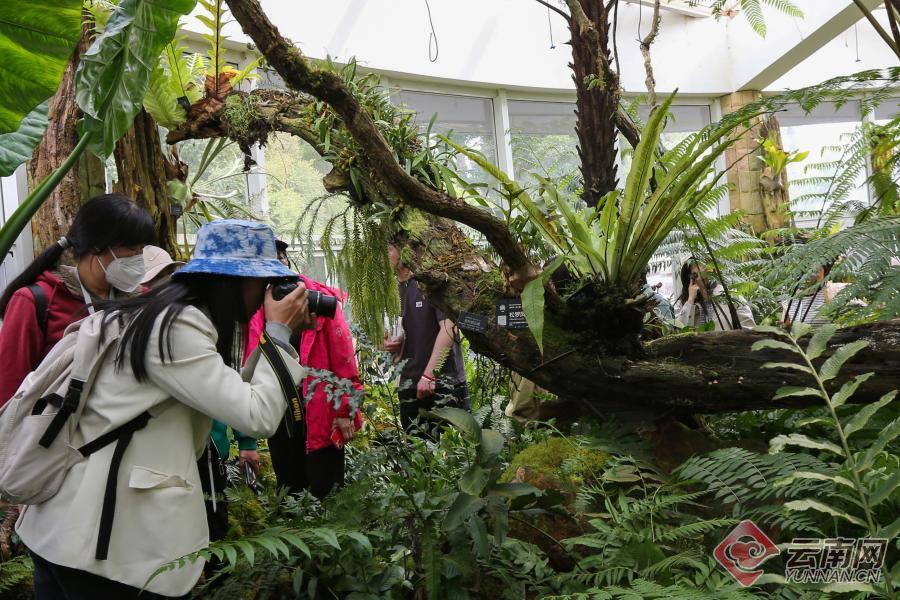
327 347
22 343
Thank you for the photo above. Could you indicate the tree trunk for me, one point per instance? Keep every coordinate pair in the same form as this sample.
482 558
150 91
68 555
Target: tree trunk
54 217
144 172
597 98
774 191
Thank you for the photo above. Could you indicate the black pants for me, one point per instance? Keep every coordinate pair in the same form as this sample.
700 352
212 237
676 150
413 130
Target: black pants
320 471
55 582
216 519
456 396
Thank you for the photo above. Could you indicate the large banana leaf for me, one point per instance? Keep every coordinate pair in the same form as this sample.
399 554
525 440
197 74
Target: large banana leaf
114 73
16 147
36 39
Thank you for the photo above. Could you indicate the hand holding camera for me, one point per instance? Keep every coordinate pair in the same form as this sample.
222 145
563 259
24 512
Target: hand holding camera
291 309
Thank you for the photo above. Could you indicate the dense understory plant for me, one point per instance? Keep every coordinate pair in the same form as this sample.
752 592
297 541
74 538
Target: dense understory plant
834 471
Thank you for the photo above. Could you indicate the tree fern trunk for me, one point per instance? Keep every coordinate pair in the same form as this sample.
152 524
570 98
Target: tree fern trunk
597 99
54 217
144 172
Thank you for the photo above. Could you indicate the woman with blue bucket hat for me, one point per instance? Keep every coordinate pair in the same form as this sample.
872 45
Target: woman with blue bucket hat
121 513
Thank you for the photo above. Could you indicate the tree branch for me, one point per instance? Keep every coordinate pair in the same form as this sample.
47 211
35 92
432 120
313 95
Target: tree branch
893 10
645 51
296 71
554 9
579 17
878 28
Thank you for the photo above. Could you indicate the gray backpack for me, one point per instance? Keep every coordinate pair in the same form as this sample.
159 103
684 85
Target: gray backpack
37 425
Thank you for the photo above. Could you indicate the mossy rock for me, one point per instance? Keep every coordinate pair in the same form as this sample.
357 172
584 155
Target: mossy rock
556 463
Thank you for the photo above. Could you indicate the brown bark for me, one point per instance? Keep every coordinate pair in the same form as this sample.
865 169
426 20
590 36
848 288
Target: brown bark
774 191
597 97
650 81
143 174
54 217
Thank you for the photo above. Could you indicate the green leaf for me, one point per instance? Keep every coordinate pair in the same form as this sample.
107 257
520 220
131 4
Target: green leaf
890 531
776 344
885 490
779 442
513 490
887 435
771 329
462 420
36 40
247 549
819 341
463 507
161 100
296 541
786 365
326 535
230 553
848 389
533 302
361 540
799 329
114 73
863 415
793 390
809 475
491 446
803 505
474 480
831 367
18 146
478 531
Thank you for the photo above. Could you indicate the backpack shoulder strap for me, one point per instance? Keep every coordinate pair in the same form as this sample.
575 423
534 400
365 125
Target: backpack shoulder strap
89 352
40 306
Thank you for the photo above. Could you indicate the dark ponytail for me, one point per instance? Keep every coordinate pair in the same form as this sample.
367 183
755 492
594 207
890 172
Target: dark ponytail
103 222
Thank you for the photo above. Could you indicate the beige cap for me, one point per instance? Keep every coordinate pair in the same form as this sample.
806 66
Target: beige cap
155 260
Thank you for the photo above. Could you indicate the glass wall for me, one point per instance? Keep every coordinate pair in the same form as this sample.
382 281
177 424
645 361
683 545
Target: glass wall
543 140
825 133
467 120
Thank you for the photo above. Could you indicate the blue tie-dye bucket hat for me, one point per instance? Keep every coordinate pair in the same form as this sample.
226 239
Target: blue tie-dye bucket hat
237 248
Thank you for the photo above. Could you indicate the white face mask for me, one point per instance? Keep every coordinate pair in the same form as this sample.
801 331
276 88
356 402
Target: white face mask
124 274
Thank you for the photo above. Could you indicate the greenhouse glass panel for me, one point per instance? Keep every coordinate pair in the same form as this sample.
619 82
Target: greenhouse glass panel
543 141
468 120
827 134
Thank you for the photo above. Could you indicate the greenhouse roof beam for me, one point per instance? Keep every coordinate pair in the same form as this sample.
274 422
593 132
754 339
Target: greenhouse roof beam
783 51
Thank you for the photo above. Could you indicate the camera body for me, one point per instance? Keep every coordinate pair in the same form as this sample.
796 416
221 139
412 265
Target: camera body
322 305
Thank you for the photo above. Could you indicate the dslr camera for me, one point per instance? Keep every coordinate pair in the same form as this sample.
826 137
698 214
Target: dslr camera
321 304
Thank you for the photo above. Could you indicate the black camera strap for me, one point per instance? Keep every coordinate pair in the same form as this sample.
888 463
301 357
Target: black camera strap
296 412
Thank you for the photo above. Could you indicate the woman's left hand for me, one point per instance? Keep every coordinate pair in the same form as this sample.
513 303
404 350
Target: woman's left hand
345 426
250 457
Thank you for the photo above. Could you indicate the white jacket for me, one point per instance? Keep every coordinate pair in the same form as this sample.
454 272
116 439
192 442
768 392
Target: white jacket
159 511
689 314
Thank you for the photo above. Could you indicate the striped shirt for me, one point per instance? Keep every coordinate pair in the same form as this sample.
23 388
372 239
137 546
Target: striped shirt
807 309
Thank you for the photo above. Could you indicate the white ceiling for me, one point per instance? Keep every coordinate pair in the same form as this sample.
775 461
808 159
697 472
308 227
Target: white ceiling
506 43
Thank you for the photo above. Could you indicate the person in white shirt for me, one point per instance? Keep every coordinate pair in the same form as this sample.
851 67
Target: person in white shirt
701 301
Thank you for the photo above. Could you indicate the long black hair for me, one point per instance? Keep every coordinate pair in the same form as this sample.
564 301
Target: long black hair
685 280
103 222
220 296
